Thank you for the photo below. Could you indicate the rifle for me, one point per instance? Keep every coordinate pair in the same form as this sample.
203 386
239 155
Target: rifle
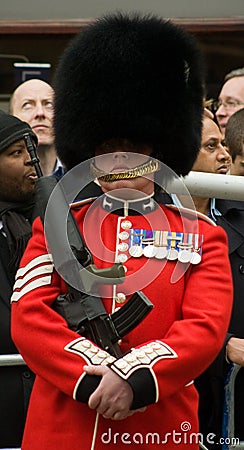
83 311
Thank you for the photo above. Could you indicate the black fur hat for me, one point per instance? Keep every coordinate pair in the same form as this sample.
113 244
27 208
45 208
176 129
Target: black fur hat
133 77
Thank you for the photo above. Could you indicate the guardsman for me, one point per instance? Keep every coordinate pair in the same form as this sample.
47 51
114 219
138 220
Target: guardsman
128 106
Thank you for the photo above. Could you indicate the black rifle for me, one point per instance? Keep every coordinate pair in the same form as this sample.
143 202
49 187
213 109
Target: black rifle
83 311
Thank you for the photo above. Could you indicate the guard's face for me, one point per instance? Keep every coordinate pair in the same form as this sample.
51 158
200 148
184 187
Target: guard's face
121 156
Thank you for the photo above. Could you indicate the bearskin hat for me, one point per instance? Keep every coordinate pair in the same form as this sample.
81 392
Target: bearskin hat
131 77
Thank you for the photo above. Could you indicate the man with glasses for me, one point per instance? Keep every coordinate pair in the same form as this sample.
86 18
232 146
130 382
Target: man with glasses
231 97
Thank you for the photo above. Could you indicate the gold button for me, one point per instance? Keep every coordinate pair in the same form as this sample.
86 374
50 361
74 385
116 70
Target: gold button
155 346
139 354
124 235
126 224
86 344
123 247
120 364
122 258
148 350
110 360
120 297
130 358
101 354
94 349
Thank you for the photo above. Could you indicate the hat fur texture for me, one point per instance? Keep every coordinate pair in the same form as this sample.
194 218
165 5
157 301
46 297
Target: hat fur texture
12 130
130 77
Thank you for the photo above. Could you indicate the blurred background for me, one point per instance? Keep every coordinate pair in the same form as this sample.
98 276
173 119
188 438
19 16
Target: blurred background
38 32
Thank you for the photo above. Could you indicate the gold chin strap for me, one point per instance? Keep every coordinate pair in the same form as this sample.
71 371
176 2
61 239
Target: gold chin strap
150 166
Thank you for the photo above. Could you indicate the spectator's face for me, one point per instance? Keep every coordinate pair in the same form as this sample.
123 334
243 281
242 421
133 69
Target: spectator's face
231 99
17 176
32 102
213 157
237 167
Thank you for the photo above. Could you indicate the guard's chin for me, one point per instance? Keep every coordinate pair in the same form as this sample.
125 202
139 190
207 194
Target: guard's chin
147 168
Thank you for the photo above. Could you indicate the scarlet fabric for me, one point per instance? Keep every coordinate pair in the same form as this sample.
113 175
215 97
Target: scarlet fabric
192 306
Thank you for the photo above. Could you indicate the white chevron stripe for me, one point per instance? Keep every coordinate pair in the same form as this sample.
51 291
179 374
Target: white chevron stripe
43 281
42 270
47 258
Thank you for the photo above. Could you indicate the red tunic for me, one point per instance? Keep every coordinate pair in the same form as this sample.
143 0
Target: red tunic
177 340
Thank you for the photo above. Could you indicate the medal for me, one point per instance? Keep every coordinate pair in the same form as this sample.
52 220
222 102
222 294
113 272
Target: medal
150 251
185 246
161 253
172 254
136 251
184 256
135 246
173 251
197 244
161 242
195 258
170 245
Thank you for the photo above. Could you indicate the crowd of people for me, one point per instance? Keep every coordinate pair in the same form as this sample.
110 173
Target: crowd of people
214 157
107 106
17 186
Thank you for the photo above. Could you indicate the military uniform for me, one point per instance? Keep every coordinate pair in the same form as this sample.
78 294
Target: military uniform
161 356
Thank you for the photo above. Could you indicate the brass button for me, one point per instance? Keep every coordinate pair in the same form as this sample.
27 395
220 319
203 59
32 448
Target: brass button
120 364
122 258
120 297
126 224
124 235
123 247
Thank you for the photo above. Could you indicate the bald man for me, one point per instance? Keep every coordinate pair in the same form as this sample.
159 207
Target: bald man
231 97
32 102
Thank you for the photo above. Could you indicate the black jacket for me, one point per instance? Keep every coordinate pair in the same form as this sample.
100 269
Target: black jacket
232 220
211 383
15 381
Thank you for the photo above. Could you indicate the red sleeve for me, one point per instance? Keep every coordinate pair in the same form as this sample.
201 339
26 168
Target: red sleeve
41 334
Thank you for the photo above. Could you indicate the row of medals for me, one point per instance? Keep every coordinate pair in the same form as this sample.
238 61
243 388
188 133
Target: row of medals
183 252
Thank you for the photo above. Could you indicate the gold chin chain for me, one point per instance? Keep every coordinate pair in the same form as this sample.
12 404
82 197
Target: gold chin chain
150 166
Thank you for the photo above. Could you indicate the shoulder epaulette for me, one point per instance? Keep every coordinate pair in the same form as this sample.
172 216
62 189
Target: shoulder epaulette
191 214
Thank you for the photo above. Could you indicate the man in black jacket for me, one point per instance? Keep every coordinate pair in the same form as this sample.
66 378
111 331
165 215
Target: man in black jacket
213 157
17 184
